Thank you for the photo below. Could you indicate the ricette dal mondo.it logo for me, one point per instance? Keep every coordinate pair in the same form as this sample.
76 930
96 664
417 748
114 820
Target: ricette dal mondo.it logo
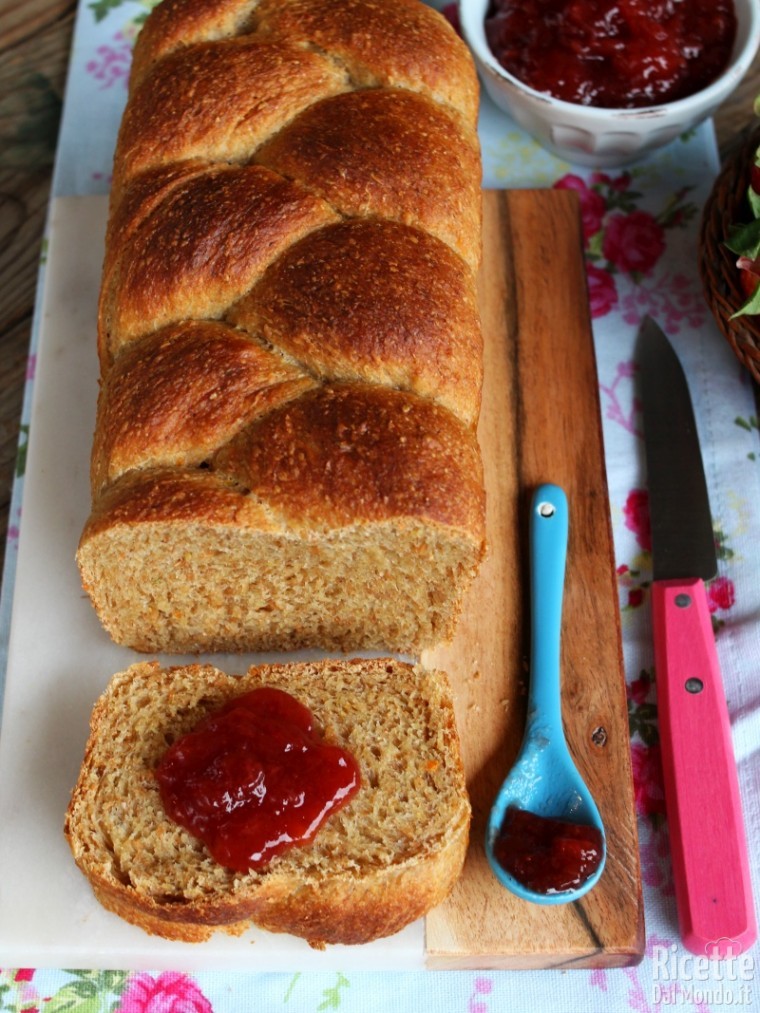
723 977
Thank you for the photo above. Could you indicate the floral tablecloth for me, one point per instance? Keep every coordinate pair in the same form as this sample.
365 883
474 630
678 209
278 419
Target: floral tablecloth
640 227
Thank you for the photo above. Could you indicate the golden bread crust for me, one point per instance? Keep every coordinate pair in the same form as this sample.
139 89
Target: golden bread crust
181 23
377 301
201 249
355 453
389 153
390 45
174 115
175 396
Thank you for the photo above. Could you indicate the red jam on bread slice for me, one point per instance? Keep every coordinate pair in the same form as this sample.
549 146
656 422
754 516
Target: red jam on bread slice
254 779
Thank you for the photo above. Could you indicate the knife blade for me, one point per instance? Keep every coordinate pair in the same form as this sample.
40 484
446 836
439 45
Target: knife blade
703 805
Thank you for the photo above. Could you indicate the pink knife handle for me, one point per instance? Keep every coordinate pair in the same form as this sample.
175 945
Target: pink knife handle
707 837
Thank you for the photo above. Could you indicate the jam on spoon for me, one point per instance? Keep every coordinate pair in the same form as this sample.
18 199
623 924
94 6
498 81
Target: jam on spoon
539 859
254 779
547 856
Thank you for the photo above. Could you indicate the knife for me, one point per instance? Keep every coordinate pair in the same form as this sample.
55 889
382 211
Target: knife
707 838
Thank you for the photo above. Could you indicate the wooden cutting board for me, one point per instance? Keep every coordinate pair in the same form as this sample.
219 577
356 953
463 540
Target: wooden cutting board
540 422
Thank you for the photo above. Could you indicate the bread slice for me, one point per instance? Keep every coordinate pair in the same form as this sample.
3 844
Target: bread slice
376 865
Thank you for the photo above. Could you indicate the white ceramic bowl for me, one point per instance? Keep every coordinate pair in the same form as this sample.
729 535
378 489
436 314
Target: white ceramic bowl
605 137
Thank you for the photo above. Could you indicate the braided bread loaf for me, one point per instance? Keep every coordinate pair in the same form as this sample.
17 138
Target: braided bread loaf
285 450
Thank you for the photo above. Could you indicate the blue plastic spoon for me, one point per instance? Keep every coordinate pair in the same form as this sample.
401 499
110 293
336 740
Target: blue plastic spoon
544 780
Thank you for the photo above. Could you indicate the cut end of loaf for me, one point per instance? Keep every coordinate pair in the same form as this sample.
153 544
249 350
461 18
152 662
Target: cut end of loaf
194 587
383 861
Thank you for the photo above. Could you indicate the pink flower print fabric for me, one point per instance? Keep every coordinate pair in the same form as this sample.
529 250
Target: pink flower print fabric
170 992
624 244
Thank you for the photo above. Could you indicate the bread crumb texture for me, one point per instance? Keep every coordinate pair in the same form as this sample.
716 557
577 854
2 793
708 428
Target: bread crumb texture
376 865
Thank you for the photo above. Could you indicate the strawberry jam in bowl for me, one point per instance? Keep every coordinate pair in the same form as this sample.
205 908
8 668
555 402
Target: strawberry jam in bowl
603 82
620 54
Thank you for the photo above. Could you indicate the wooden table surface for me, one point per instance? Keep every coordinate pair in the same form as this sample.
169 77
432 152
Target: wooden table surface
35 38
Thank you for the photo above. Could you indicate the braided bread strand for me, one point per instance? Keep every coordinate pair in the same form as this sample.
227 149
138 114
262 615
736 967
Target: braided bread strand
291 363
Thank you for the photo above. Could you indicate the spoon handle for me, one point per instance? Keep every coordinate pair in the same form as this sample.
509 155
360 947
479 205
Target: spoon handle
548 555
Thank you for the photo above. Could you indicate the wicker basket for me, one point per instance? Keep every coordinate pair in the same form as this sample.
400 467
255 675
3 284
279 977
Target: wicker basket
726 206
